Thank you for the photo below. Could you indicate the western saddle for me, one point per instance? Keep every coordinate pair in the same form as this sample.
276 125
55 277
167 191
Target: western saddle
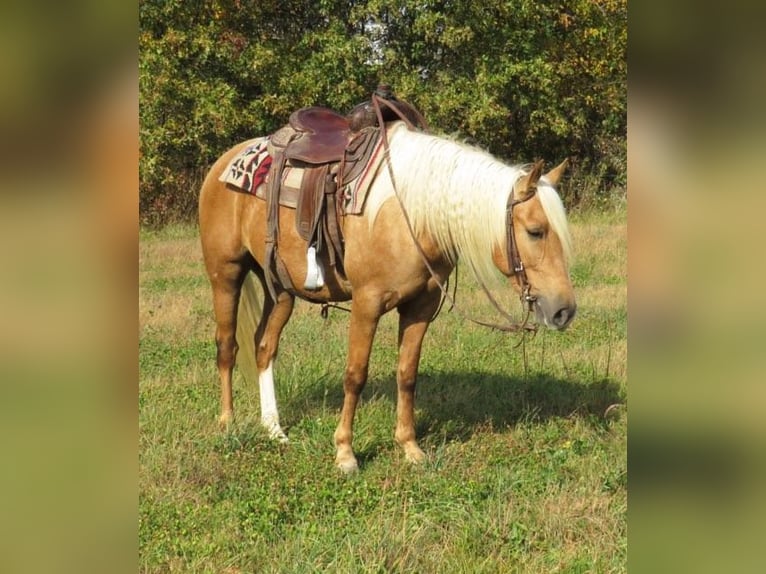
329 150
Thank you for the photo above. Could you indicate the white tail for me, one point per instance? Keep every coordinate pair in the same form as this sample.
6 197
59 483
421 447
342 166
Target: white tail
248 316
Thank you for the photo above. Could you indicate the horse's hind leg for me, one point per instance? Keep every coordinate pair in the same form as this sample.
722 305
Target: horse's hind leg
226 281
275 317
414 319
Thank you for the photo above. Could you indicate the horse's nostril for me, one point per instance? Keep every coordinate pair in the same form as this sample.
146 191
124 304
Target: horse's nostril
564 316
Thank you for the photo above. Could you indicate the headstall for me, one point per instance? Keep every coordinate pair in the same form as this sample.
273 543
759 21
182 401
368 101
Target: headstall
515 265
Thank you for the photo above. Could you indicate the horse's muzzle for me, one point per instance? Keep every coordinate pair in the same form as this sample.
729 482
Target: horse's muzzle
554 314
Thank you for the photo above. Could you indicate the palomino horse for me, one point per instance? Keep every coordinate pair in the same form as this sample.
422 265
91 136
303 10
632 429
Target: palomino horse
455 198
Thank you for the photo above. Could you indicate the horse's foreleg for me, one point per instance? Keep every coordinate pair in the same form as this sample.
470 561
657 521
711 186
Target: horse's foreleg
364 322
414 318
267 335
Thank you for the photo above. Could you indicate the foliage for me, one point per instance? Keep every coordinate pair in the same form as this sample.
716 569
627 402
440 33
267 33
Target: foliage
523 79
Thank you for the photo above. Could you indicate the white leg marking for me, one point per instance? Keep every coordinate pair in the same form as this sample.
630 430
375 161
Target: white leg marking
269 412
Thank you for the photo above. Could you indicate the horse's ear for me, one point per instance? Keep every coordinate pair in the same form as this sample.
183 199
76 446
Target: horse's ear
528 184
554 175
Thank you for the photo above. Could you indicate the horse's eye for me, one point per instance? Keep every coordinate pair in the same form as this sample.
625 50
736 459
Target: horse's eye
535 233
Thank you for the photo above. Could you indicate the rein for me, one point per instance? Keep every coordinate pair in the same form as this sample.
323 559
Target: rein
514 259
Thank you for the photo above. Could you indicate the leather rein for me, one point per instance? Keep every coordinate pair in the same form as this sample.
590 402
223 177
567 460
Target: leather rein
515 265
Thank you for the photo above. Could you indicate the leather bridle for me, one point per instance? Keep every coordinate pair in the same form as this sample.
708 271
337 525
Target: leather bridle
515 264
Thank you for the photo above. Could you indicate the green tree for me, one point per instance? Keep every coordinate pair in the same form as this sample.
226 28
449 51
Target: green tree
524 79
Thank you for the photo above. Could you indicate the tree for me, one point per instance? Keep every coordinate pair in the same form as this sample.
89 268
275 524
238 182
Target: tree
523 79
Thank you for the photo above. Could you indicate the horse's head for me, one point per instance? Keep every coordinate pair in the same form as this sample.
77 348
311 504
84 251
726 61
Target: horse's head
536 256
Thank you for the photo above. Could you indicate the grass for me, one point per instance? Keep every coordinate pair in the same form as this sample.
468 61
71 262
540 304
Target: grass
526 467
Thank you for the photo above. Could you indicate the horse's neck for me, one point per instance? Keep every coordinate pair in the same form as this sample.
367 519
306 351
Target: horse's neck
456 196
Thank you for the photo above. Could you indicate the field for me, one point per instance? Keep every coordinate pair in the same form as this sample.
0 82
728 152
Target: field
526 444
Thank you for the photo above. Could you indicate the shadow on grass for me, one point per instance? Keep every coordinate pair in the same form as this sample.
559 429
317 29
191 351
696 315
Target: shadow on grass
454 405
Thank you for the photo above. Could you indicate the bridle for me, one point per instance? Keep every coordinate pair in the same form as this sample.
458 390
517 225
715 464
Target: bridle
515 264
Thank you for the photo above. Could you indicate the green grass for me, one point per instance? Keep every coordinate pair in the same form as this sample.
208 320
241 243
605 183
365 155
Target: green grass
526 471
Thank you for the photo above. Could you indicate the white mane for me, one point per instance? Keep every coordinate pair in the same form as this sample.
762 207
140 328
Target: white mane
457 195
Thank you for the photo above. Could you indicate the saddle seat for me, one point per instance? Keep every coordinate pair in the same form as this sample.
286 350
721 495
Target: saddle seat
324 136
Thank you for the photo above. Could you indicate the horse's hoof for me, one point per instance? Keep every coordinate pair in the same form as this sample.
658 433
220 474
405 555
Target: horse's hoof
414 455
280 437
275 430
347 466
225 420
277 434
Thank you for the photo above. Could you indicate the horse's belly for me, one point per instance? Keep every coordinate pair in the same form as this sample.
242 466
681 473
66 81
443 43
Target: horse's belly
292 250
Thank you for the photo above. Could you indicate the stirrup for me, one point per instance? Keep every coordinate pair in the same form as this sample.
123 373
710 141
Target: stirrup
314 276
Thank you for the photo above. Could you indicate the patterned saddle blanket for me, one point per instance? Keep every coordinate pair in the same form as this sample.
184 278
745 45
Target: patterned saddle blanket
249 172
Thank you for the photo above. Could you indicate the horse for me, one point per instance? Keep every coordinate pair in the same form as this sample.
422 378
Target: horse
437 201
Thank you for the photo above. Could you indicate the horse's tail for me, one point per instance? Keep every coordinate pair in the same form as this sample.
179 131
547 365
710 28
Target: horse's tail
248 316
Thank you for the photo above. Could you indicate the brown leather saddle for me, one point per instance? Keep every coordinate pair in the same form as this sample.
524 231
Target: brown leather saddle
323 137
331 150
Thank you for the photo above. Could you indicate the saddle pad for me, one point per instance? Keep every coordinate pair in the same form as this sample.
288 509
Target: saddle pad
292 180
249 168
